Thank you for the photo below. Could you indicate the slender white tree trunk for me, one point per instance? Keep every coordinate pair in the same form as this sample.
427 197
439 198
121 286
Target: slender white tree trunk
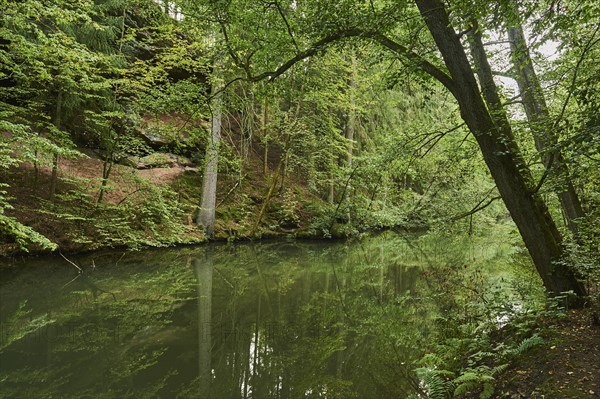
206 216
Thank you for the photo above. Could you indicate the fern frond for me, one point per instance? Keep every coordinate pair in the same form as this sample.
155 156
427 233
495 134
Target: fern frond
499 369
488 391
466 387
435 382
467 377
528 343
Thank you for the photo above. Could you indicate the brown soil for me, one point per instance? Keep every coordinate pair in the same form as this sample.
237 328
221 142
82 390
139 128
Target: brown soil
121 176
566 367
85 173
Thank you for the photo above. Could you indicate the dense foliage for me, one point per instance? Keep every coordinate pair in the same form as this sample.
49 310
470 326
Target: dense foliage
346 107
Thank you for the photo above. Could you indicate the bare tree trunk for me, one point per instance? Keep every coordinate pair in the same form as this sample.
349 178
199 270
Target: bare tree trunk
267 200
36 172
351 125
286 160
53 177
206 216
538 116
106 168
501 154
55 160
266 158
265 116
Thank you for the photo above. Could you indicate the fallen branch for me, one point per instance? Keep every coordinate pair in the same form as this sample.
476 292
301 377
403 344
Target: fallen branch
231 191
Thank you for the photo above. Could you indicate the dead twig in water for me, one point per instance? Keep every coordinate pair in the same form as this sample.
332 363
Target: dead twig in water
71 262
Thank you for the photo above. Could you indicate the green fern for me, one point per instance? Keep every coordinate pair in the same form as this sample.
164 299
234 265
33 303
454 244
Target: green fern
474 380
436 382
488 391
525 345
466 387
528 343
499 369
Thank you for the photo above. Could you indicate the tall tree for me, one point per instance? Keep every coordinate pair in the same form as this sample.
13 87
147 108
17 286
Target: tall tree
541 125
491 129
206 216
500 151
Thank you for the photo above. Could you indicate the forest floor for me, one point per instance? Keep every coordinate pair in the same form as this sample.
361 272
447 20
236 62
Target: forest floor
567 366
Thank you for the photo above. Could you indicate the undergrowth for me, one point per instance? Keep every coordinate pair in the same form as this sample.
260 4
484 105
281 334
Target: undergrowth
149 216
482 330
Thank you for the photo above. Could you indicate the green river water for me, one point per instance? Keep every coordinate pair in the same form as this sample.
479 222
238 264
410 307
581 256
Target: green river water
279 319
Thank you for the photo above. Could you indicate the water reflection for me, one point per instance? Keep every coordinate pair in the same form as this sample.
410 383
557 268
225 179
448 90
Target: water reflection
204 275
269 320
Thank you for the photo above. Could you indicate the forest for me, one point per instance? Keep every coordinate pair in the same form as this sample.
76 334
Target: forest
464 127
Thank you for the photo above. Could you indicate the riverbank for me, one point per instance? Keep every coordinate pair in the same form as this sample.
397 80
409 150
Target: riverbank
566 366
156 206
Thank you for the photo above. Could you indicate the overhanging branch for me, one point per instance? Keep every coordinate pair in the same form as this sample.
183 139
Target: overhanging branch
383 40
480 206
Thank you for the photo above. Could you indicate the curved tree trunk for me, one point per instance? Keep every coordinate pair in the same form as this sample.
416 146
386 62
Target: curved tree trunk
538 116
502 157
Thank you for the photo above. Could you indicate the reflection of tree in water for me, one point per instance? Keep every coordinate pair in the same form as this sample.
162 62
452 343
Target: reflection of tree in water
204 275
298 329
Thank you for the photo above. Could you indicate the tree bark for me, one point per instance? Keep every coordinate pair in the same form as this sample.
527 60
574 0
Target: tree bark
36 172
501 155
206 216
534 103
351 124
106 168
270 193
265 133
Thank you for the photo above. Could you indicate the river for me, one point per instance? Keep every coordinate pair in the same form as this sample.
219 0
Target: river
274 319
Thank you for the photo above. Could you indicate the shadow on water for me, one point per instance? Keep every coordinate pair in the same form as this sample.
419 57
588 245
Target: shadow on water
254 320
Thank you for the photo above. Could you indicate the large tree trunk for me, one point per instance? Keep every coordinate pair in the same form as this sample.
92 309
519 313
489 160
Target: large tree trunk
501 155
538 116
206 216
